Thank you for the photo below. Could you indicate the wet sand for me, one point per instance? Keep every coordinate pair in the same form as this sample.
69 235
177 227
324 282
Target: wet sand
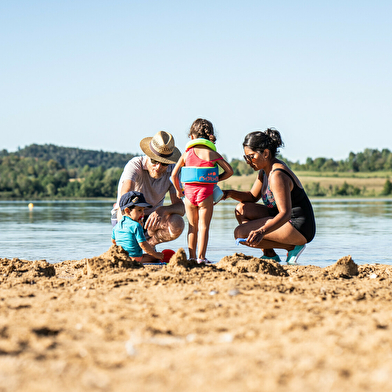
243 324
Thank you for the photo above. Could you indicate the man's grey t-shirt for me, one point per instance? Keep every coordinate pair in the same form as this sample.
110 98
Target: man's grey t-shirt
154 190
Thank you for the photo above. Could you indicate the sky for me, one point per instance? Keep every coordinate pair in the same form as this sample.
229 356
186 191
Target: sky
102 75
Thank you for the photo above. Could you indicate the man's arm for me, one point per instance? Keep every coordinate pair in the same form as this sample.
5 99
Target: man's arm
127 185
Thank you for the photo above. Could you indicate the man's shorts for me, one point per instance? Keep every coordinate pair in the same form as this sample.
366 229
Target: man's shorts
114 216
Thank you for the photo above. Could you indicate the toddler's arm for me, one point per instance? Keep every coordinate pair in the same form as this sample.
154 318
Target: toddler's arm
228 170
147 248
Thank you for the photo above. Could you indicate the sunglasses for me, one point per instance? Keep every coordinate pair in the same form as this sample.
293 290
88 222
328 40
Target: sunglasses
249 158
154 162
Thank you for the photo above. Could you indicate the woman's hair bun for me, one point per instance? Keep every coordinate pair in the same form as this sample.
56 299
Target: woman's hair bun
275 136
259 141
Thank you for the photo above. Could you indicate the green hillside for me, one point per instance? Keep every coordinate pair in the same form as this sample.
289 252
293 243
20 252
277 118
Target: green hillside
49 171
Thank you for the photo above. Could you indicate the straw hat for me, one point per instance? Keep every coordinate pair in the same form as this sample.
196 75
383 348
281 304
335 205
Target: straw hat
161 148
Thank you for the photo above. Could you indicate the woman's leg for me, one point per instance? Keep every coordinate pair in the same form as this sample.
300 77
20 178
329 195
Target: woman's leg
206 208
246 212
286 237
192 214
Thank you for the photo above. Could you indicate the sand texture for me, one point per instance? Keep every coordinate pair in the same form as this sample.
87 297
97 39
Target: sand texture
244 324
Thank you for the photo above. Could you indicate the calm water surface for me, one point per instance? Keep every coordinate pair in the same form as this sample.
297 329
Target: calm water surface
73 230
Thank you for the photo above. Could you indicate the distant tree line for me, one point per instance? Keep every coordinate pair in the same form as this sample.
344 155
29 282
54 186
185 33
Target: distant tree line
71 157
369 160
314 189
48 171
26 178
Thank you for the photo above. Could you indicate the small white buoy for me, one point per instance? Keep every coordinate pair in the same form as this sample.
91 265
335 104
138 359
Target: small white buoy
31 206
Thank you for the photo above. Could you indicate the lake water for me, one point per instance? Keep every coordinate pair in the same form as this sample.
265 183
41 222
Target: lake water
73 230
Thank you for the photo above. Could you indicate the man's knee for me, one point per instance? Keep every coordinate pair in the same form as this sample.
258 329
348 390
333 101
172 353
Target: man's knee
176 225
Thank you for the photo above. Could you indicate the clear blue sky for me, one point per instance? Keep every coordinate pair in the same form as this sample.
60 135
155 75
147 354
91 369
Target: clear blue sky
104 74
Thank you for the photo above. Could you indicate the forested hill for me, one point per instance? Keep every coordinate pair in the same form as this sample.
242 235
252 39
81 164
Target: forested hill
71 157
370 160
49 171
76 158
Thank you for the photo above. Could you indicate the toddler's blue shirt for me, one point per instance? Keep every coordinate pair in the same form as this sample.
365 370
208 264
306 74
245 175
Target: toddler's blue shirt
128 233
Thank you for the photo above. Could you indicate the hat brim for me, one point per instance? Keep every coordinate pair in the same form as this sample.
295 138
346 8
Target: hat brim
145 146
122 208
143 205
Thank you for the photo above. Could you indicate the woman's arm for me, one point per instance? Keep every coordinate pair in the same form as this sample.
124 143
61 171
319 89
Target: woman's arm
251 196
280 185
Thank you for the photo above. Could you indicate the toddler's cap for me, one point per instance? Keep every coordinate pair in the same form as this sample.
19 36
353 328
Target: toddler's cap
133 198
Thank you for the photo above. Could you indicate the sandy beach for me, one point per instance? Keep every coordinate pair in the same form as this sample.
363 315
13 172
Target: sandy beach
243 324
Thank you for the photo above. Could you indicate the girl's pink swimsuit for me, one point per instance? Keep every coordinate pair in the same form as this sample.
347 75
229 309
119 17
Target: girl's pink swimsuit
196 192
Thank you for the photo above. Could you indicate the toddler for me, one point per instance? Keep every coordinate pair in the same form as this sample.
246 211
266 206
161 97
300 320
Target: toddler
128 232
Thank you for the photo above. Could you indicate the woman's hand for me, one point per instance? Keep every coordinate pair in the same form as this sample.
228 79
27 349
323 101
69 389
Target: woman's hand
255 237
225 194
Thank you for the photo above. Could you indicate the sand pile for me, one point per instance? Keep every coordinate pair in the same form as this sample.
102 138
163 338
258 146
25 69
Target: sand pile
245 324
343 268
179 262
24 271
240 263
114 260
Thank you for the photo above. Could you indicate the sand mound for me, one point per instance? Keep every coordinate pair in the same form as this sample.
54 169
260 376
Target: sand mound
343 268
179 262
28 270
171 328
71 269
374 271
114 260
240 263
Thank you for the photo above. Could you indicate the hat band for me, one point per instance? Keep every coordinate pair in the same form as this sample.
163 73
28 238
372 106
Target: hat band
159 153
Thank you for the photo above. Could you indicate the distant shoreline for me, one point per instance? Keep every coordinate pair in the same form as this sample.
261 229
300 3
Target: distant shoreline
370 184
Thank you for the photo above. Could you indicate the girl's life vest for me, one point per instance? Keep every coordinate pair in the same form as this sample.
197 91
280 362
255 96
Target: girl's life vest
201 175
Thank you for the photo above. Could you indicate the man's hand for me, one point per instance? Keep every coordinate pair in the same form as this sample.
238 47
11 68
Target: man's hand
154 220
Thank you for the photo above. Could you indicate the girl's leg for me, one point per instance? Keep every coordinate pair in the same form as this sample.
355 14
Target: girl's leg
192 214
206 208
